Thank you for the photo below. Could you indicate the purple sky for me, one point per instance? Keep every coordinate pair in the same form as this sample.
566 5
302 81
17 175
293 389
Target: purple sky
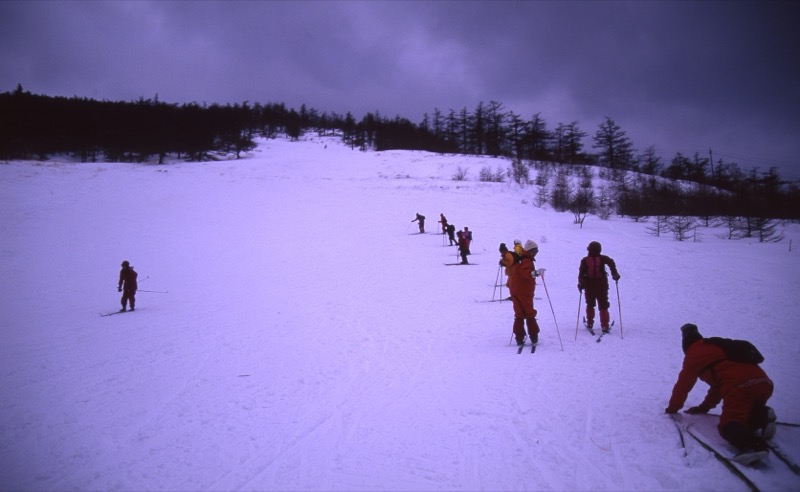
683 76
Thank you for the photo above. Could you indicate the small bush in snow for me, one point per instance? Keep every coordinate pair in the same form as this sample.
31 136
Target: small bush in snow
461 174
486 175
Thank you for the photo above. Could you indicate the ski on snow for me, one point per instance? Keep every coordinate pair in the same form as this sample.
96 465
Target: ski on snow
520 348
589 328
592 332
604 332
755 469
785 458
120 312
729 464
461 264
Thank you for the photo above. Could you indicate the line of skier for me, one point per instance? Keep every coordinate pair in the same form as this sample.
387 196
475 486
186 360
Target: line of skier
461 239
521 274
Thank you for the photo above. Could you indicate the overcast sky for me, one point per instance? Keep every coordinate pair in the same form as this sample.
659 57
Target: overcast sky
682 76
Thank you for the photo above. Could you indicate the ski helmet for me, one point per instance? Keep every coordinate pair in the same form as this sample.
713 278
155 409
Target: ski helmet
594 248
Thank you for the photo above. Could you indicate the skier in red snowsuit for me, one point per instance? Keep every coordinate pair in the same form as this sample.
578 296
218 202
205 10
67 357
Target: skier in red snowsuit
521 286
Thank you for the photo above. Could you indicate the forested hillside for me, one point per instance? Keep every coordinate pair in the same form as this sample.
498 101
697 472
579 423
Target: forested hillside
635 184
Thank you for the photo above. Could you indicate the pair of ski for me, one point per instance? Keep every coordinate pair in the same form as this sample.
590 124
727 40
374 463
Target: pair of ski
602 333
520 348
739 464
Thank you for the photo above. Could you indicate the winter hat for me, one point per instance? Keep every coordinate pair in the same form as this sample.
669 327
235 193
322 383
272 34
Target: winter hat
689 335
125 263
503 247
594 248
530 244
517 241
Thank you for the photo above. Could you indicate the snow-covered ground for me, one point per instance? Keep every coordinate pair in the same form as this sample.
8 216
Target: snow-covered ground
310 341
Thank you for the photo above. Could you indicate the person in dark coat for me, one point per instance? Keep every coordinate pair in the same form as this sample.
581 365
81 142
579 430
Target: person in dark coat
443 221
421 219
127 285
451 232
521 286
743 388
593 282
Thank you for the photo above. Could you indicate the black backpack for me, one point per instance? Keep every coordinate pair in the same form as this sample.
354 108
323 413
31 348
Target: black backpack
737 350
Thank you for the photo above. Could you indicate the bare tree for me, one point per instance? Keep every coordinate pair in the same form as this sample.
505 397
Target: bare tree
681 226
661 226
581 203
520 172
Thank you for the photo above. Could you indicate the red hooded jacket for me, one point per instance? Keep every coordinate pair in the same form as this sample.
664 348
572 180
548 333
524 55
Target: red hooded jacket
520 282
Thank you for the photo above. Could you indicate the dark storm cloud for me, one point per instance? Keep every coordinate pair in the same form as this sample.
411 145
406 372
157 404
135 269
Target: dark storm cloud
683 76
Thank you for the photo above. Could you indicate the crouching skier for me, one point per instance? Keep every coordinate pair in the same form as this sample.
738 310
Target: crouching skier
743 388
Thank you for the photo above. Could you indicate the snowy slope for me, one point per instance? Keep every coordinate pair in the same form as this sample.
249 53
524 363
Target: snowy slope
311 341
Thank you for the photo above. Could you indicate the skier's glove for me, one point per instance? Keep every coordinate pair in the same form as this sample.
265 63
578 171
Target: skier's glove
580 288
119 289
537 273
615 277
670 411
697 409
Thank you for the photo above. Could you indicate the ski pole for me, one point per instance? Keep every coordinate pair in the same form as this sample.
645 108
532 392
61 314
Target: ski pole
153 291
619 308
578 319
496 279
552 311
680 433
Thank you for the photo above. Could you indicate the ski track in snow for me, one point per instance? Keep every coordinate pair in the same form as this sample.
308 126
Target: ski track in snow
309 341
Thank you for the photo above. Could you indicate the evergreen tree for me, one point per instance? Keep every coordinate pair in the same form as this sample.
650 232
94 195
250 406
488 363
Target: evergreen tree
537 140
616 149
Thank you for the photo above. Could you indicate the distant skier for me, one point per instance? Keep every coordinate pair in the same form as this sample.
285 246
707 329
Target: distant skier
421 219
127 285
451 231
443 221
743 388
463 247
467 238
593 279
521 286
